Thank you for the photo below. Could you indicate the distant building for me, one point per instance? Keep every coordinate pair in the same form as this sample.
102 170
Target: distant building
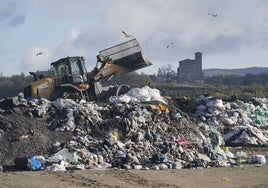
190 70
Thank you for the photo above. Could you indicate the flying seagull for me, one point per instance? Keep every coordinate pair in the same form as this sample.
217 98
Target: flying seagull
39 53
169 44
126 35
213 15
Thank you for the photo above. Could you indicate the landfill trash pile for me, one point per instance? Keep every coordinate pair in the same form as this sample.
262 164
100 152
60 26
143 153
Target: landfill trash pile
242 124
138 130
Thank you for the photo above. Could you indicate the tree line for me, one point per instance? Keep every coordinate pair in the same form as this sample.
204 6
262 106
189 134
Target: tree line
15 80
247 79
221 86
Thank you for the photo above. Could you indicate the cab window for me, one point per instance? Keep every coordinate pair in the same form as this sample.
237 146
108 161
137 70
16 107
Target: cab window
75 67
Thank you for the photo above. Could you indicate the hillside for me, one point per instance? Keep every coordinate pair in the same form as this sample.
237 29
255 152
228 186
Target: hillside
241 71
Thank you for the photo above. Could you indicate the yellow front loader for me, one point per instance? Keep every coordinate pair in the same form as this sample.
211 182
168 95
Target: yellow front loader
68 77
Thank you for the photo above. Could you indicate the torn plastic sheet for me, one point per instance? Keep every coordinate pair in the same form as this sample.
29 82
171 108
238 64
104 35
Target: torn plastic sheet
139 95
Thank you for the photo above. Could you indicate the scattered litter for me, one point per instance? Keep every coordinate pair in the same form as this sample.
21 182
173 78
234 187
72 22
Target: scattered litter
257 159
225 179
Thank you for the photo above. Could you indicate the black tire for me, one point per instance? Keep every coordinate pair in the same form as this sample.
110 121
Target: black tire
1 133
66 93
72 96
122 89
57 94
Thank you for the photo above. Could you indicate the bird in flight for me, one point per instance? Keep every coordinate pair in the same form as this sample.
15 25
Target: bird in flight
213 15
39 53
126 35
169 44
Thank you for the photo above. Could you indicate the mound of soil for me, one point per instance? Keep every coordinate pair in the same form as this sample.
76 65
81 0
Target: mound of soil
24 135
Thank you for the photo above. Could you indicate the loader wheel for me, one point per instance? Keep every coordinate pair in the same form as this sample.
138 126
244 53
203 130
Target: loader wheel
72 96
123 89
57 94
1 133
65 95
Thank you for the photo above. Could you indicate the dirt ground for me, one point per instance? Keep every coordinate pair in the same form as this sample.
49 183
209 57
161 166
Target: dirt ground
26 136
238 177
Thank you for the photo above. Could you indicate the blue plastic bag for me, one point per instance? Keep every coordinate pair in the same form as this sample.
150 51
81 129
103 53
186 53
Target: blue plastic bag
35 164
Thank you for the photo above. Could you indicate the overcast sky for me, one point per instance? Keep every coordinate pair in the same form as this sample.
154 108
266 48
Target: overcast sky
236 38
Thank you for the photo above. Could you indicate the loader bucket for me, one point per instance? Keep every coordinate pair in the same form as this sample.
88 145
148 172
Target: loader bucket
128 54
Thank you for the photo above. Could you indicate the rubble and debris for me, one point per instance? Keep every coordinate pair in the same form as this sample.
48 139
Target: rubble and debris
257 159
138 130
241 123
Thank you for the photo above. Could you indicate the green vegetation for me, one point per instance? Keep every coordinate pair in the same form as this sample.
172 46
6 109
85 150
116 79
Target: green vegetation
248 79
11 86
244 89
219 91
14 81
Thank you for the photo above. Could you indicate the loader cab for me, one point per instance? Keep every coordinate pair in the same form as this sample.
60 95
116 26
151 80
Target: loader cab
71 68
